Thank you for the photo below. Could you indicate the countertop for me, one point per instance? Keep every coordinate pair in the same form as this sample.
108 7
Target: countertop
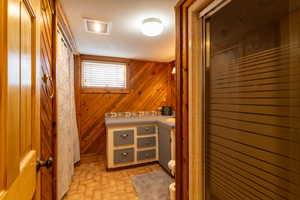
161 120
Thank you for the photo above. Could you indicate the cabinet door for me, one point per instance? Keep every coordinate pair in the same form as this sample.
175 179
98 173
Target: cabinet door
164 147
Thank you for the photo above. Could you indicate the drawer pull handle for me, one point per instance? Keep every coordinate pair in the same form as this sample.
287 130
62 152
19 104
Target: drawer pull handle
147 129
124 135
125 154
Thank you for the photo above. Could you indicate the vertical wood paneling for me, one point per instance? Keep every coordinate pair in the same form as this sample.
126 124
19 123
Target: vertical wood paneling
150 84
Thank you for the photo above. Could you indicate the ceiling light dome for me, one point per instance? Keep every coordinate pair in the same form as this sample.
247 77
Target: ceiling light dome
152 27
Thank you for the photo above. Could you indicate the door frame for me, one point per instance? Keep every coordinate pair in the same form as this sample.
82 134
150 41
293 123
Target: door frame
181 132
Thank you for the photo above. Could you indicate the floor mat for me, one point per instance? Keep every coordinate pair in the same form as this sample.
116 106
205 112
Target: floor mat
152 185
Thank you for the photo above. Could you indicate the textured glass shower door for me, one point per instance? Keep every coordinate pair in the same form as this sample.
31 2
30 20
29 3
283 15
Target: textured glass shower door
252 104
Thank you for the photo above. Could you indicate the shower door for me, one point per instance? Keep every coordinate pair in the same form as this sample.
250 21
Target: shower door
252 100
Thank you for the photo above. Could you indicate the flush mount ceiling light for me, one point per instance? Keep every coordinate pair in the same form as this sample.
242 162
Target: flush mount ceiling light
152 27
98 27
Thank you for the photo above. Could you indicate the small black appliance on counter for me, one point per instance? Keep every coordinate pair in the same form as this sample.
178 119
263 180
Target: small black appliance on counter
166 111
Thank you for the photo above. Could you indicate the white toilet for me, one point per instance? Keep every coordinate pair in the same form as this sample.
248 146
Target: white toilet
171 166
172 191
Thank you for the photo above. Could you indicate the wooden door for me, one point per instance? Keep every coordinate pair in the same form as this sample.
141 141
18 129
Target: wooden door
47 99
19 104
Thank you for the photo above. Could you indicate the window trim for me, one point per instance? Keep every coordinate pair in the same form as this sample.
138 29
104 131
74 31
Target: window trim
105 90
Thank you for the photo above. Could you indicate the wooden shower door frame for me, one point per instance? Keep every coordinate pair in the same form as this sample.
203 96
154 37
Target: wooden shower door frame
204 42
190 145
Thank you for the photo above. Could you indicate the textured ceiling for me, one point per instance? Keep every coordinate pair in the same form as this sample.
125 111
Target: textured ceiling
126 39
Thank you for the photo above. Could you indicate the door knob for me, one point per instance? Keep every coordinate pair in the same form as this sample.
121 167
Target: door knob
48 163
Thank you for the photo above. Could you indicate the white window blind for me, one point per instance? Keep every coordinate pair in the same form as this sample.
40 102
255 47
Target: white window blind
103 75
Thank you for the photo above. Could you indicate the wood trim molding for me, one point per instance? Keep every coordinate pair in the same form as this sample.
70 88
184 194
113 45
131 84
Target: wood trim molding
114 59
64 28
85 57
195 108
103 90
196 102
54 113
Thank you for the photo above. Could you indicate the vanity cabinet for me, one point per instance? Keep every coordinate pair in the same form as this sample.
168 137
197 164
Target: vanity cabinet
137 142
131 145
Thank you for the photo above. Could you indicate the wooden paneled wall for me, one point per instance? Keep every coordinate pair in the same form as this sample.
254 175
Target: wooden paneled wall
151 86
48 176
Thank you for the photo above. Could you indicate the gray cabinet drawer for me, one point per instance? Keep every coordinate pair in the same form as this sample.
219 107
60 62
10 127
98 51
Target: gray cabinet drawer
146 142
123 156
144 130
145 155
124 137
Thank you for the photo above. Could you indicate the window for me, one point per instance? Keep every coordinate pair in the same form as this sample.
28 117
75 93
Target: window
103 75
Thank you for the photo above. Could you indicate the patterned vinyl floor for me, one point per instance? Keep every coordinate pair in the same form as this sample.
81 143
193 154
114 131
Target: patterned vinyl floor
91 181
